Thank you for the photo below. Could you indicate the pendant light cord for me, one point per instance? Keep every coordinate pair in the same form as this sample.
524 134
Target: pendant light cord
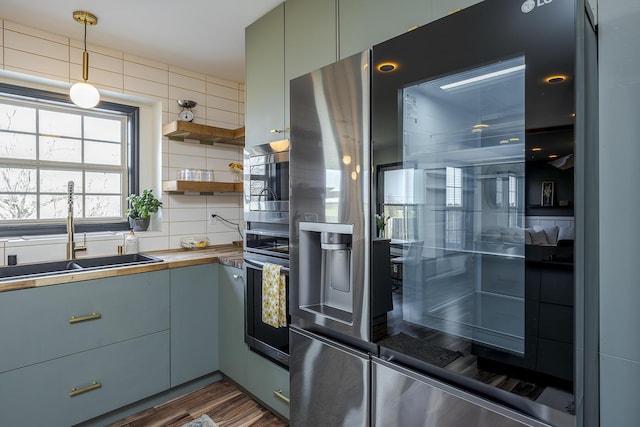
85 34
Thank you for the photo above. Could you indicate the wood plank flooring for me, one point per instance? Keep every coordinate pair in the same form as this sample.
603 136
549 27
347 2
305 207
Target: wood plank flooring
223 402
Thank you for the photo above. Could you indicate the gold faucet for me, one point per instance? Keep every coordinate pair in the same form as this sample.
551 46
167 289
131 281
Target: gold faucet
72 248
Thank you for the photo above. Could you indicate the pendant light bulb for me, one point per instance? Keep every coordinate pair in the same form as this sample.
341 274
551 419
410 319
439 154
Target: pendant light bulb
84 94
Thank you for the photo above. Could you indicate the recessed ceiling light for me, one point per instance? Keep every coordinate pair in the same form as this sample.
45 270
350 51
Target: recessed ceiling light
514 139
504 141
387 67
536 149
555 79
553 156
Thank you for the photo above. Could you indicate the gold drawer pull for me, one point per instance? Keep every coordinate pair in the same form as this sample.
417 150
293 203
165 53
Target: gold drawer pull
281 396
237 276
92 316
76 391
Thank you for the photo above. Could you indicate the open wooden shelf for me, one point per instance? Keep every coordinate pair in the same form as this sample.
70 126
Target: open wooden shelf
201 187
179 131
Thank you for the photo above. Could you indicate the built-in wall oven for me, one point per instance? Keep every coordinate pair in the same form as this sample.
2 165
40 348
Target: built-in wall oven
266 240
269 341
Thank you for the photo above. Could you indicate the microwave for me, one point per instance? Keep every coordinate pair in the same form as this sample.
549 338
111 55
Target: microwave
266 182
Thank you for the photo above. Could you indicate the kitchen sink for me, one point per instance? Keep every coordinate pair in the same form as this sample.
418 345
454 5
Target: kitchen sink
59 267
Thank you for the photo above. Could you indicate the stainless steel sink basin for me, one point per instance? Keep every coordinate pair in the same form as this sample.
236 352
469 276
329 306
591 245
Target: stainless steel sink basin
59 267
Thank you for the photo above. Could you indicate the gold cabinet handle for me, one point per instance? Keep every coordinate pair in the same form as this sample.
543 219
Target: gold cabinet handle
76 391
237 276
281 396
92 316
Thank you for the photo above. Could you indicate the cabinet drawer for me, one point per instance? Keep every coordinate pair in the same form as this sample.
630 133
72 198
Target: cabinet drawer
265 380
127 371
556 322
35 323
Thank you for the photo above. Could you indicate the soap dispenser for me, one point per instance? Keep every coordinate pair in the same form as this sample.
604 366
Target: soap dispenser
131 243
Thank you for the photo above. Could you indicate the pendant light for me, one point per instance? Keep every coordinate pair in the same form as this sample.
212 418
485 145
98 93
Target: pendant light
84 94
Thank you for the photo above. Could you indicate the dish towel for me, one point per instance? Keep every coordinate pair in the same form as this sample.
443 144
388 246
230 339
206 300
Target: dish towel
274 296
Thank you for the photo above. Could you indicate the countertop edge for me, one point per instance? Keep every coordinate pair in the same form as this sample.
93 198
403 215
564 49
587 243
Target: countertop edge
222 254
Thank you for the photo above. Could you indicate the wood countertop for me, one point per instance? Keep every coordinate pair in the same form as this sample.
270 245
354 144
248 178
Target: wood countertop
223 254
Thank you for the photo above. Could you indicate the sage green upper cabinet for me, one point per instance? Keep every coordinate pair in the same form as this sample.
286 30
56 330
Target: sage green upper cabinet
194 322
442 8
310 36
265 87
364 23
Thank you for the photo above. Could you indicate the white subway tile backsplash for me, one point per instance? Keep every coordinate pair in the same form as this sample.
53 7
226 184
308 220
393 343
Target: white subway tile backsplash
226 200
224 82
29 63
34 32
176 93
144 61
37 46
188 73
188 228
144 86
222 104
187 82
185 215
192 162
146 72
222 91
188 149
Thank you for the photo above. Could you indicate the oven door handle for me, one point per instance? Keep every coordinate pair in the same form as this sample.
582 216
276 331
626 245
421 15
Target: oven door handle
258 264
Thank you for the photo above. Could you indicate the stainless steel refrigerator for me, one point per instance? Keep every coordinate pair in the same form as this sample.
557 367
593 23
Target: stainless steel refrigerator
435 224
330 245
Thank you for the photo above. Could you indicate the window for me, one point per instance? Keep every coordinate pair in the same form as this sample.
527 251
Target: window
46 142
401 192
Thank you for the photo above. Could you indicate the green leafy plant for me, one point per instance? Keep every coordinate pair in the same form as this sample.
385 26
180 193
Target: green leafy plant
142 205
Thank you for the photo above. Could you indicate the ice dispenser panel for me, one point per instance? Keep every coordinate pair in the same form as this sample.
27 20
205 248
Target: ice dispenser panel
326 270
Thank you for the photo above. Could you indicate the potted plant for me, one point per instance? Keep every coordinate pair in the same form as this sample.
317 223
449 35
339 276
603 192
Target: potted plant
140 208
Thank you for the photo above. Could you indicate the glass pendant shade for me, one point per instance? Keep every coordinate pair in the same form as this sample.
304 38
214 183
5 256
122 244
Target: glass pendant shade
84 95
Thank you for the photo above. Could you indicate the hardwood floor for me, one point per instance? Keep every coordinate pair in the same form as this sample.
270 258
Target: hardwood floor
223 402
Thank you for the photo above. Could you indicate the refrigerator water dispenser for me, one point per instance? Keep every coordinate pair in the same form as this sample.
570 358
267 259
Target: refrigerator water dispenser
326 271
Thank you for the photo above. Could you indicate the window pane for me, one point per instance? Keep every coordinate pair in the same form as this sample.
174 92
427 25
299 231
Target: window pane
103 182
103 129
17 180
17 206
60 124
101 153
57 206
17 146
16 118
55 181
60 149
103 206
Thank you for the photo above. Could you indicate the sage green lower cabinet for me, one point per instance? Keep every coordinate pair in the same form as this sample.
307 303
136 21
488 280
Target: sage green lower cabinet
194 322
123 372
36 324
233 349
269 383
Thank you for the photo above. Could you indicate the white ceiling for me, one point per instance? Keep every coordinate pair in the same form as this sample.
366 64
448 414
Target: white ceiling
206 36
